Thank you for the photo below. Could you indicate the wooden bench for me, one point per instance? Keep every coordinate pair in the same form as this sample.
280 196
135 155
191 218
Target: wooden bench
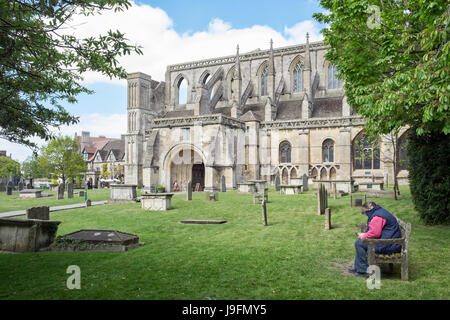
399 258
259 196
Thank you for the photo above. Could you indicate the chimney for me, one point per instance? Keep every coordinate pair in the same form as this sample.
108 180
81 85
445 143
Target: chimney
85 139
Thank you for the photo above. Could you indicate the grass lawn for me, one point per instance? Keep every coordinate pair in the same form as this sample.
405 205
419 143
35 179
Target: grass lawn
292 258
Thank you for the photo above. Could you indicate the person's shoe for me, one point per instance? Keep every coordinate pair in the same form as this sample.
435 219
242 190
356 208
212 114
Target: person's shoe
362 274
353 271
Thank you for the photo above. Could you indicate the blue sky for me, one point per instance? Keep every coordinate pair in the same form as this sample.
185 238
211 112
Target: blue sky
174 31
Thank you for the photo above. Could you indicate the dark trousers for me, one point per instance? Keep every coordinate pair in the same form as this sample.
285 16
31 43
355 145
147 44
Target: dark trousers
361 264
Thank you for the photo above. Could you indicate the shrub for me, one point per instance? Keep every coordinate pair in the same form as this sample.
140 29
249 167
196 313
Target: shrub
429 176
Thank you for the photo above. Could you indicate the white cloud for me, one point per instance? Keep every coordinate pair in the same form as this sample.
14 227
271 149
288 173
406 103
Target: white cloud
111 126
152 29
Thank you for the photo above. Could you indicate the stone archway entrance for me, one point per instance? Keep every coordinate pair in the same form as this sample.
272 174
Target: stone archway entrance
187 165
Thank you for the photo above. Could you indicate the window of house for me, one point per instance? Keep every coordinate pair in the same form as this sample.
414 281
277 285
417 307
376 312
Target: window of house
185 134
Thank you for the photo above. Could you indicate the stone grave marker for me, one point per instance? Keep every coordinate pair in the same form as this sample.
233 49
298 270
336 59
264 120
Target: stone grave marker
224 186
9 188
40 213
81 193
2 187
264 212
277 183
305 182
29 186
20 185
327 219
189 191
70 190
61 191
88 203
322 199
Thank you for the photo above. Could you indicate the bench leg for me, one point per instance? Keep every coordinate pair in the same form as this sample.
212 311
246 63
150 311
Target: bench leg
405 270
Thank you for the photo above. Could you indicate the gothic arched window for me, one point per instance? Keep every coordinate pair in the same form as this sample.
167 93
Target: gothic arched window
297 76
264 81
328 151
333 81
285 152
182 91
366 152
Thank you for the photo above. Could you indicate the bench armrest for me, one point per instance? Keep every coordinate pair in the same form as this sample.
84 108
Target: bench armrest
384 241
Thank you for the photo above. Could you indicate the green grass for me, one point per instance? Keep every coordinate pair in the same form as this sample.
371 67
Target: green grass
14 203
292 258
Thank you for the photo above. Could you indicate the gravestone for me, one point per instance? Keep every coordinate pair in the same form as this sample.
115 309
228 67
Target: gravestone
20 185
2 187
70 190
9 188
357 201
224 186
88 203
327 219
264 212
81 193
189 191
61 191
305 182
334 191
212 196
386 180
322 199
277 183
29 186
40 213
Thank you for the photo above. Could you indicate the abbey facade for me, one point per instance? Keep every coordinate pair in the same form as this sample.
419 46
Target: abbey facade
257 115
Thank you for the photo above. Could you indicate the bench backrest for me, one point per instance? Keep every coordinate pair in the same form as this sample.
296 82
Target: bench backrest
405 228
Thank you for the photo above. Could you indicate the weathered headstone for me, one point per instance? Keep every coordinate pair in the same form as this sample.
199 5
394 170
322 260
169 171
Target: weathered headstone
224 186
334 191
212 196
70 190
322 199
9 188
81 193
61 191
305 182
20 186
2 187
327 219
277 183
189 191
29 186
264 212
88 203
40 213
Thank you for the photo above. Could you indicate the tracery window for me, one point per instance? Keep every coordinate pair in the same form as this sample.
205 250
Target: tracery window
264 81
366 152
328 151
333 81
297 76
285 152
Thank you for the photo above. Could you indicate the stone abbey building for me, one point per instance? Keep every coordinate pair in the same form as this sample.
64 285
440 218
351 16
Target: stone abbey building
257 115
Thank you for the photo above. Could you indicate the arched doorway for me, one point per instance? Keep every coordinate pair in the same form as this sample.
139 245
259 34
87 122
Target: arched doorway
198 177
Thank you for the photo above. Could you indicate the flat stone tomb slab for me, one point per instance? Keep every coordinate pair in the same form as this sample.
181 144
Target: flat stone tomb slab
246 187
96 240
30 193
203 221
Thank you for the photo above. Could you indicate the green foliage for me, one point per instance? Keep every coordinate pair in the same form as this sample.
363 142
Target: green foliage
32 168
398 73
9 167
61 158
42 65
429 175
105 173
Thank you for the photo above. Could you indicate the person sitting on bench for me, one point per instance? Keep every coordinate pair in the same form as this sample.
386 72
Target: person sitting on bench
381 225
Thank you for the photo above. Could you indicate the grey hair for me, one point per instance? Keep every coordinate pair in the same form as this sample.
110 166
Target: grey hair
369 204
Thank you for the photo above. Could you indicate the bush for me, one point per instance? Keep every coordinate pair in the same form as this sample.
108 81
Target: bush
429 176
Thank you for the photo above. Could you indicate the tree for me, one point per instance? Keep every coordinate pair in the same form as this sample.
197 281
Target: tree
60 157
41 65
9 167
105 173
394 59
32 168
